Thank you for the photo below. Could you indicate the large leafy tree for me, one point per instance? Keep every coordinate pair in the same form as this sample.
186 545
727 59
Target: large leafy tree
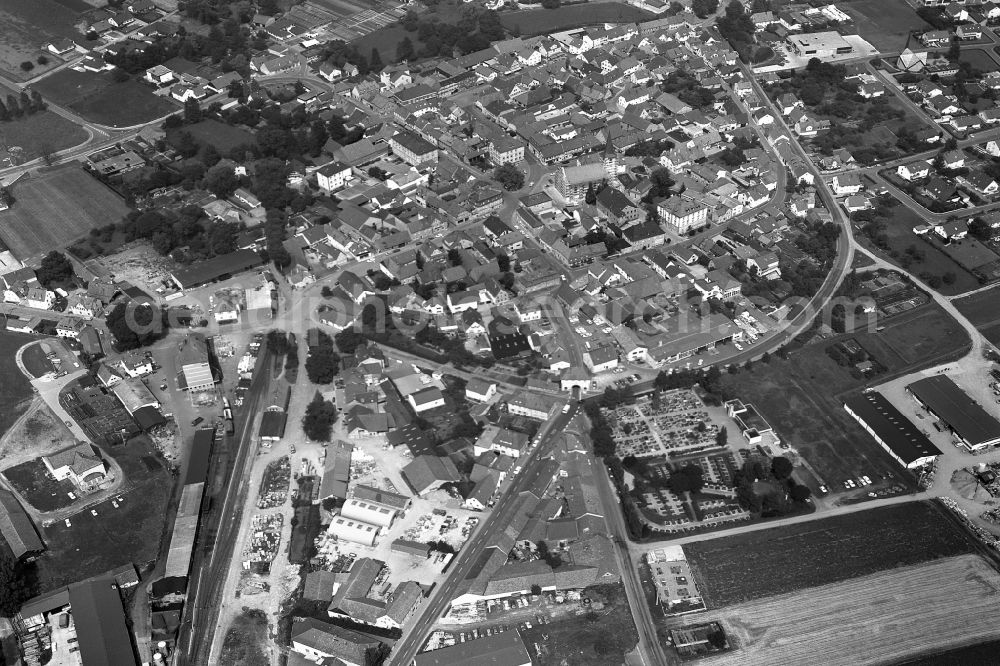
322 365
55 268
133 326
319 419
509 176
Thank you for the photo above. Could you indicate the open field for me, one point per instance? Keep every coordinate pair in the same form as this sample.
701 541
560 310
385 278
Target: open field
53 209
981 310
15 390
610 630
539 21
884 24
223 137
41 433
802 397
868 620
101 100
37 135
982 653
28 25
980 59
130 533
737 569
919 336
899 231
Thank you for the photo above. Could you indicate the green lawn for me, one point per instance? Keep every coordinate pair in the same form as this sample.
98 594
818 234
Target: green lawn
899 231
32 481
981 309
55 207
885 23
38 134
223 137
15 390
114 537
540 21
101 100
26 25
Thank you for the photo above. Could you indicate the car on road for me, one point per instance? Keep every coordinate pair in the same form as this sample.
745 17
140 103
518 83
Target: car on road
517 470
823 489
197 420
68 524
93 512
565 409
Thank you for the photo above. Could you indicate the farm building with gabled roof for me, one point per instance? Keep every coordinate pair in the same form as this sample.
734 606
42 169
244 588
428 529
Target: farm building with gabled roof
217 268
16 527
386 497
427 472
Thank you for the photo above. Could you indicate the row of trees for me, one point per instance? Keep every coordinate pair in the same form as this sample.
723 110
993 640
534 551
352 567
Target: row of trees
21 106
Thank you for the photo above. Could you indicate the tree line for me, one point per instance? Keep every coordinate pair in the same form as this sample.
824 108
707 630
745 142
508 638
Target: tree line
21 106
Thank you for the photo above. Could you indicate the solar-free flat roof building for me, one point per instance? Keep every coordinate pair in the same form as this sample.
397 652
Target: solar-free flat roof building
894 432
954 408
820 44
506 649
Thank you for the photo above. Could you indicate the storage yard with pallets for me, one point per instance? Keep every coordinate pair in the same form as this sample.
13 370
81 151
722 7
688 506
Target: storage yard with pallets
274 485
881 618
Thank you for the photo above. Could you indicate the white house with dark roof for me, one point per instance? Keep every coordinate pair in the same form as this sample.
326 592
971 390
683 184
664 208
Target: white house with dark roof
426 399
333 176
80 464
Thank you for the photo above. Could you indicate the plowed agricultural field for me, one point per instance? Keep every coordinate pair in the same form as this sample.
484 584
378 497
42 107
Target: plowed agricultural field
763 563
880 618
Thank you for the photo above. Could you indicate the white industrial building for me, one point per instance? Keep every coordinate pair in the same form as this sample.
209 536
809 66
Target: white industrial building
368 512
820 44
355 531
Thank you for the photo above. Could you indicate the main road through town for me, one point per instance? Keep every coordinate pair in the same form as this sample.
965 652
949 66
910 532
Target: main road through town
413 638
213 551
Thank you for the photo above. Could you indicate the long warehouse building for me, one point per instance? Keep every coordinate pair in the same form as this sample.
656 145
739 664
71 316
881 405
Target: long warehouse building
943 398
894 432
189 509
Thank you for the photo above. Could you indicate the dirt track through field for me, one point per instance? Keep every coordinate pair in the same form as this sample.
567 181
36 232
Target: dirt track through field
880 618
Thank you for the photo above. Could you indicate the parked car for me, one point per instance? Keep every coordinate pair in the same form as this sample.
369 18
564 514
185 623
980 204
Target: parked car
196 421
